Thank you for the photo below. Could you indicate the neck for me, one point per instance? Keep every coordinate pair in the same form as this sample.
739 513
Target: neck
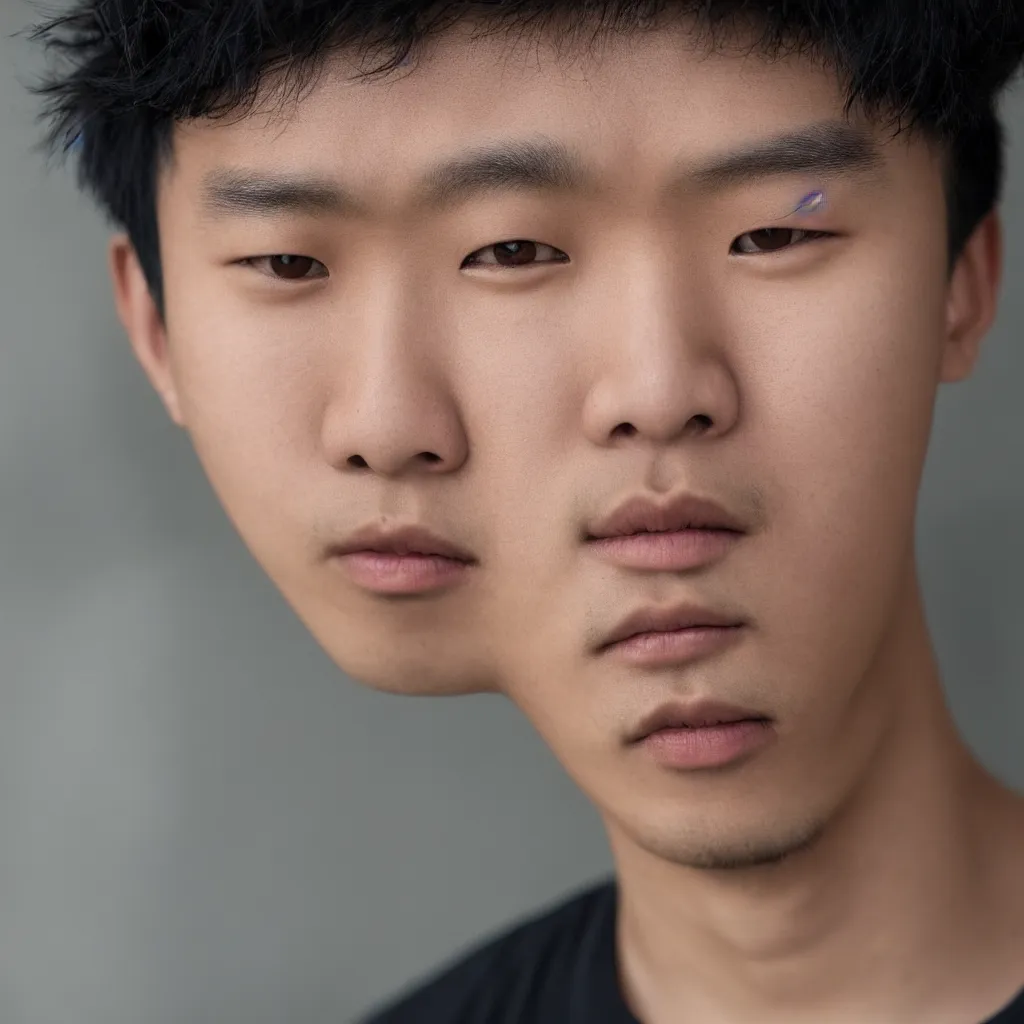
907 908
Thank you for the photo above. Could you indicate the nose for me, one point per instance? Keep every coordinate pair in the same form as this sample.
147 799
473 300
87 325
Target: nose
393 418
663 371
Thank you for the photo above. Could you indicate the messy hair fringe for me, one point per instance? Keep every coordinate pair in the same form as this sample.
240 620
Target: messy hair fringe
124 72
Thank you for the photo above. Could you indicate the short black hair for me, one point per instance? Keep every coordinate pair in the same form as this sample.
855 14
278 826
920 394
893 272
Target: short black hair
128 70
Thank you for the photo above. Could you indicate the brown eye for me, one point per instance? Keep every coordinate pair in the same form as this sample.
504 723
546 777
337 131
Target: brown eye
514 254
288 267
519 253
774 239
292 268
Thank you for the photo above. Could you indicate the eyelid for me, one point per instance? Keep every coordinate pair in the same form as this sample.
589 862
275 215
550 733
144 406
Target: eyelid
466 265
472 262
252 261
812 236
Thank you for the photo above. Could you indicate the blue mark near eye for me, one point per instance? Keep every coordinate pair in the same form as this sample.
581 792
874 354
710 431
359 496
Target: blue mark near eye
811 203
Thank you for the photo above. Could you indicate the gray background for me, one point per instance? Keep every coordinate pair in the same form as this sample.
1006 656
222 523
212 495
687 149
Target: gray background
201 820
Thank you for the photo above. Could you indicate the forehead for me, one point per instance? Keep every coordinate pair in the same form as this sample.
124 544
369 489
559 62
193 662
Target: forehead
629 110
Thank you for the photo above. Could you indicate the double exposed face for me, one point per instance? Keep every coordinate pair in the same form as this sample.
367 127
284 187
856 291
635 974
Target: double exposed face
515 301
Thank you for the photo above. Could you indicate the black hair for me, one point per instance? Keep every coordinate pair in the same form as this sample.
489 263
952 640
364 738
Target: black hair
128 70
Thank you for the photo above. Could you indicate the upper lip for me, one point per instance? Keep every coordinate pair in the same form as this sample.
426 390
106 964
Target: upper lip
704 712
665 620
401 540
641 513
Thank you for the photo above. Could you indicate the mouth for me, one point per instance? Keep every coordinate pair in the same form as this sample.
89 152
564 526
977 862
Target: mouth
699 715
389 573
666 550
706 723
644 627
402 561
644 514
403 541
707 746
649 533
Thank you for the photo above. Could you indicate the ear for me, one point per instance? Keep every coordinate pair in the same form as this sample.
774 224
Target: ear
973 299
141 320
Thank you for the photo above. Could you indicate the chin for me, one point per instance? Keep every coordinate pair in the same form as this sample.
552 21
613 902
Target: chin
408 676
734 852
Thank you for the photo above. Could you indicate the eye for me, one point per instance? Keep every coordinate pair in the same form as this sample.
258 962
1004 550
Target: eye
775 239
520 253
287 267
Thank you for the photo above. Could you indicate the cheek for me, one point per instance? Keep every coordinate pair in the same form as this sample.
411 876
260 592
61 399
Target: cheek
254 396
249 398
843 429
853 415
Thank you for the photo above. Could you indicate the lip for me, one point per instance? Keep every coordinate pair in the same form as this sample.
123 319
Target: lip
642 513
401 560
401 540
646 621
666 552
699 714
713 746
678 647
684 533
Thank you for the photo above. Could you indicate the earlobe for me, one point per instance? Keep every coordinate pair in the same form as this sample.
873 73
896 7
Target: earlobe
972 299
141 320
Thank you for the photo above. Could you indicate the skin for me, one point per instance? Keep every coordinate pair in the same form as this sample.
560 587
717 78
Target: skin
861 867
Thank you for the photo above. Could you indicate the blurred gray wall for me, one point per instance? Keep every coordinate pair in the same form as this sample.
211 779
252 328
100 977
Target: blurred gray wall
201 820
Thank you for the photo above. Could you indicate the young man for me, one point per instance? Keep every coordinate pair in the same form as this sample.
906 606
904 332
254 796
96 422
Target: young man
589 356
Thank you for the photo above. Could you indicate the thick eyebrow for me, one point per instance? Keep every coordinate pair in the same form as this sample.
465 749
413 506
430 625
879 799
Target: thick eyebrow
522 165
832 148
543 165
234 193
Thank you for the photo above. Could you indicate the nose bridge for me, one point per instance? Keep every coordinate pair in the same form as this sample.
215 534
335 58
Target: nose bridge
390 403
663 368
659 314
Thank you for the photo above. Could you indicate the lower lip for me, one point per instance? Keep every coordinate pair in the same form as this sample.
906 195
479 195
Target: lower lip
678 550
402 574
677 646
709 746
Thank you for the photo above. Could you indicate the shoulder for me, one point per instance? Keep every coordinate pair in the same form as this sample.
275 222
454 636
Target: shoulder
514 975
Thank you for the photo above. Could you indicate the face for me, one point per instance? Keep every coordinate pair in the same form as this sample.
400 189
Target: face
648 336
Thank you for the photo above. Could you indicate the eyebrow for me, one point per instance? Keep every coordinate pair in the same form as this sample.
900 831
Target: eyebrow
833 148
542 165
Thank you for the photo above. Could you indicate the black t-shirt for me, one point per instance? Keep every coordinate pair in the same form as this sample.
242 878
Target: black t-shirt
557 967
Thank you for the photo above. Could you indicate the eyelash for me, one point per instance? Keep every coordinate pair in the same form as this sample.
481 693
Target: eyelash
471 262
254 261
